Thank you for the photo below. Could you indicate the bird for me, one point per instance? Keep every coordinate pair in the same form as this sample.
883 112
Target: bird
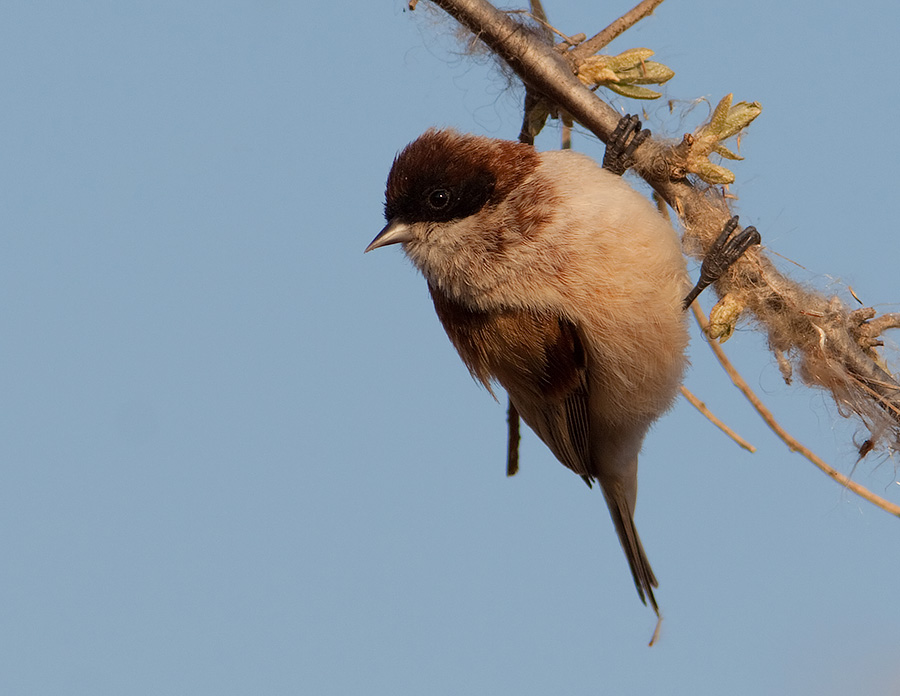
557 280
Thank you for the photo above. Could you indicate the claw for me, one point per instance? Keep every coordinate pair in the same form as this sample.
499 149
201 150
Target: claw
722 254
624 140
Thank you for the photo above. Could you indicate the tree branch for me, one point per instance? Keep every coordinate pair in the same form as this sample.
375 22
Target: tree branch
622 24
715 420
816 332
776 427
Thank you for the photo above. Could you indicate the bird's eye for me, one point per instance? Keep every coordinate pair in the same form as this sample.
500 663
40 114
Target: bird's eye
439 199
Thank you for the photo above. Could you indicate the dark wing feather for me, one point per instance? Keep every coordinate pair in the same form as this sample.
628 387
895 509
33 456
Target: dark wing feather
563 423
552 396
539 359
541 362
565 374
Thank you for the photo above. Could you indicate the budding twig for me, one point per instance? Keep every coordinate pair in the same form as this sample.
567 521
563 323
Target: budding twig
817 332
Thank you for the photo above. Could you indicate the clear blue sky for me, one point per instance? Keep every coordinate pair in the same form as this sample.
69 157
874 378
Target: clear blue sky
239 457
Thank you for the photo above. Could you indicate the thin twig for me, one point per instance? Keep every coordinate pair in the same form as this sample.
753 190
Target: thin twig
623 23
537 64
540 15
776 427
815 330
704 409
883 323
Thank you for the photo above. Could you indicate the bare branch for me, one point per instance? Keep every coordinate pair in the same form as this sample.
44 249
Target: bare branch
786 437
816 332
871 328
884 322
623 23
536 63
704 409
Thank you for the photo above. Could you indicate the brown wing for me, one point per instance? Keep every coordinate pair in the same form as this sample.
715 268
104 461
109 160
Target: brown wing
560 414
539 359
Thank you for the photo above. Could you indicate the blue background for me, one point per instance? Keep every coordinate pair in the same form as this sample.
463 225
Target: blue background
237 456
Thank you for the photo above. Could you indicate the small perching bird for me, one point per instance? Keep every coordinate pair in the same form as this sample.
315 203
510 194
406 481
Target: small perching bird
557 280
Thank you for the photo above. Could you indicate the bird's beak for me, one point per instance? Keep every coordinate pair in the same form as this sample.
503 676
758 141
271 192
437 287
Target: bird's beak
395 232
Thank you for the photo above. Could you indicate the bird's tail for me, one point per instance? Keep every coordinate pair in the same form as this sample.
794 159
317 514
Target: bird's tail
623 519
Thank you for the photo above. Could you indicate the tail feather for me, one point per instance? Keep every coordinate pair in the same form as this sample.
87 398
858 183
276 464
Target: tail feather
623 519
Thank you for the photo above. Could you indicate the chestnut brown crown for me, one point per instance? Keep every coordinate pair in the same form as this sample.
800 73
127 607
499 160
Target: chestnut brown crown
445 175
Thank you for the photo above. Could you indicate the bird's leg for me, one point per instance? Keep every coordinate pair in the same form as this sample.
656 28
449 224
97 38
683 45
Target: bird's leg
625 139
725 251
619 157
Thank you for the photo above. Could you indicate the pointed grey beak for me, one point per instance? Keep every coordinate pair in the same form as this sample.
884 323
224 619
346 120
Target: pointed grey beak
395 232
